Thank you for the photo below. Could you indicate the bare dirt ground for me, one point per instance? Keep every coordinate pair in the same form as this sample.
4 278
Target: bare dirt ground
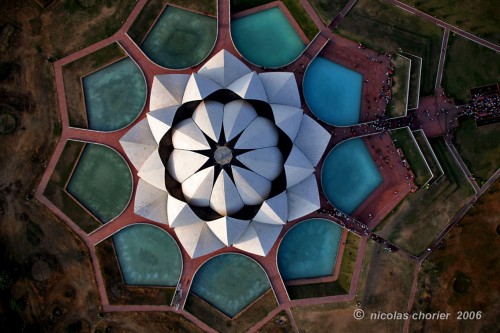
462 274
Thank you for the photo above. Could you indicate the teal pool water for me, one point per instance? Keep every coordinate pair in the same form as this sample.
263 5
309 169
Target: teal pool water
148 256
267 38
101 181
180 38
349 175
230 282
333 92
114 95
309 250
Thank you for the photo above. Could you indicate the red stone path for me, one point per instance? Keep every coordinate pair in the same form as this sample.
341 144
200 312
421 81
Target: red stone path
337 48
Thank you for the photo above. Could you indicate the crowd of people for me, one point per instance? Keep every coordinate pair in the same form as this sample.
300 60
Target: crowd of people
483 106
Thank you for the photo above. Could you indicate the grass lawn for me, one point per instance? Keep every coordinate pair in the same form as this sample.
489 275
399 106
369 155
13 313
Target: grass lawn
298 12
59 197
328 9
403 138
479 17
430 157
415 77
400 84
242 322
463 273
479 147
384 285
117 291
82 26
72 74
383 27
389 277
468 65
337 287
153 9
422 215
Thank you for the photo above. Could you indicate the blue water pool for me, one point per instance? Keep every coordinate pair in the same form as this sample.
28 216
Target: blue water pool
180 38
114 95
349 175
267 38
230 282
148 256
309 250
333 92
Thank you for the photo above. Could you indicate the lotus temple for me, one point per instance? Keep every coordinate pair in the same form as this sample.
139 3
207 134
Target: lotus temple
217 167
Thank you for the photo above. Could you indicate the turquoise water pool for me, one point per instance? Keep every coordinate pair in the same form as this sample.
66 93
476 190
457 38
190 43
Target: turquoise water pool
101 181
230 282
333 92
349 175
114 95
309 250
148 256
180 38
267 38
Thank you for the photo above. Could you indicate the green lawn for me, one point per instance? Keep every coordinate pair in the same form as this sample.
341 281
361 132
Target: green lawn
479 17
337 287
403 138
59 197
72 74
430 157
328 9
415 77
70 27
419 218
383 27
241 323
468 65
400 80
298 12
388 281
479 147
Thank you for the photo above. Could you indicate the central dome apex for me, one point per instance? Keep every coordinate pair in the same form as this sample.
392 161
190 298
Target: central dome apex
233 156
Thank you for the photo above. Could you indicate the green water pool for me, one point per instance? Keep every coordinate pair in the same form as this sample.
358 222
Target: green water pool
114 95
180 38
230 282
148 256
309 250
267 38
101 181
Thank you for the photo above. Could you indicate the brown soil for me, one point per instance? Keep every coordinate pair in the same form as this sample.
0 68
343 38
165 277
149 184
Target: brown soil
279 324
470 252
132 322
